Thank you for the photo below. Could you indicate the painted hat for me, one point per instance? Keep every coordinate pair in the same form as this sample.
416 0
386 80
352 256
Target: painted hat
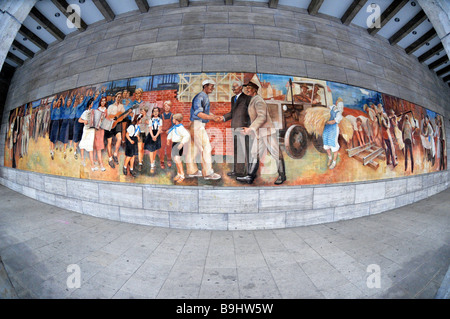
208 81
252 84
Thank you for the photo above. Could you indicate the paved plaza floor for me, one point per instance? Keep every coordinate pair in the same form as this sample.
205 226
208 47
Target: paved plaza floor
51 253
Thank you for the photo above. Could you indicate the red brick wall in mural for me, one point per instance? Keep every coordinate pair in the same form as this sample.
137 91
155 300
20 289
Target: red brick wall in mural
219 132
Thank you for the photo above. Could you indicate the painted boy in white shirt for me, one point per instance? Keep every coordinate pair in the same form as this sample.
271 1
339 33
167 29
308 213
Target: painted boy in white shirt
179 137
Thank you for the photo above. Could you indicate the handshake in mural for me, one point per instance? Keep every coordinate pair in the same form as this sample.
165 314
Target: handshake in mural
242 130
218 118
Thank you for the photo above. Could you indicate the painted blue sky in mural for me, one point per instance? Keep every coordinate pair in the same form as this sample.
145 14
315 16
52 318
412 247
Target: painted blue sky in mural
431 114
36 103
141 82
354 97
147 83
278 81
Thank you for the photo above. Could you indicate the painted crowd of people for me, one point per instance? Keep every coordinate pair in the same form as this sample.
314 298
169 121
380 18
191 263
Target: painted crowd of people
397 133
73 123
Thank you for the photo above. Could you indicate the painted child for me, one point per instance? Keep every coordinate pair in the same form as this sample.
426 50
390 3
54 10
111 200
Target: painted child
178 136
145 120
167 124
131 144
153 140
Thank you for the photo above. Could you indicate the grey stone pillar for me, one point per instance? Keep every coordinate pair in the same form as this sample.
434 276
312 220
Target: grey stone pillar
438 11
12 15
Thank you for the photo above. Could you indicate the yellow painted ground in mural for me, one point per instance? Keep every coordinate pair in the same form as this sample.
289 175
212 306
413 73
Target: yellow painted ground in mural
311 169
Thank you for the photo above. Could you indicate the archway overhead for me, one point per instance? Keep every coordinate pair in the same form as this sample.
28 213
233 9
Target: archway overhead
403 23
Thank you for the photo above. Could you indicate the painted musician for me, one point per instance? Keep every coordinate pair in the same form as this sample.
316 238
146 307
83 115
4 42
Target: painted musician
114 111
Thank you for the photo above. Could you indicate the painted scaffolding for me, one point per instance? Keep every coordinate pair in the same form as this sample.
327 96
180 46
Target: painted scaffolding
191 84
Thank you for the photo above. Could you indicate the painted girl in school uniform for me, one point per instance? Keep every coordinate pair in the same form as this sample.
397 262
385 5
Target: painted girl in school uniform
131 144
153 140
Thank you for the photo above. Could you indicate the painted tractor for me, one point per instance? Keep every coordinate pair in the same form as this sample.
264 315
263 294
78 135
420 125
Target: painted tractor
288 115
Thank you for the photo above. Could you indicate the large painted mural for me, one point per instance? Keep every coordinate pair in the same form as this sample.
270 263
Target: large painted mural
225 129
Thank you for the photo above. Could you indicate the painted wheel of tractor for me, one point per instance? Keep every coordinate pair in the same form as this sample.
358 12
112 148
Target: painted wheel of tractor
296 141
318 143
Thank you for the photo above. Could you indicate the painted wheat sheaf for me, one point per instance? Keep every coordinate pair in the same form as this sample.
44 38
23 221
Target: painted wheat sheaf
346 129
316 118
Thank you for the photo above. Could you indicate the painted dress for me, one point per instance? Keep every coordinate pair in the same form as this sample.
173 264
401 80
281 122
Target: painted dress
87 139
55 117
63 136
331 131
151 145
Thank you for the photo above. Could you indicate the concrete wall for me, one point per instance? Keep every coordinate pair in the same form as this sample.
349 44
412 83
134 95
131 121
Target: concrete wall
238 38
11 18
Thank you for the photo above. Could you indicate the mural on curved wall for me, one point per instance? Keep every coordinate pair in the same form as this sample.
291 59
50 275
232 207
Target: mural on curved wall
191 131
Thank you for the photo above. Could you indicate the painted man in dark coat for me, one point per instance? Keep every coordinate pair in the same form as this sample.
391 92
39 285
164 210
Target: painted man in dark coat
239 118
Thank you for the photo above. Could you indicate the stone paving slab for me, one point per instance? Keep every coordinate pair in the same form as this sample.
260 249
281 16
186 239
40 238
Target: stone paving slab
7 290
401 253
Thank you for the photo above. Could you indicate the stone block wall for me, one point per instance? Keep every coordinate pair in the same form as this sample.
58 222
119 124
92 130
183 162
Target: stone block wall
212 207
239 38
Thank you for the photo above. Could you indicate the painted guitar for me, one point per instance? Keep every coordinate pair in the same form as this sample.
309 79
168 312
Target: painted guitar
117 119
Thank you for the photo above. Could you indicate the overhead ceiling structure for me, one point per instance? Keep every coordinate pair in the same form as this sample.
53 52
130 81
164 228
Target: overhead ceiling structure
402 23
